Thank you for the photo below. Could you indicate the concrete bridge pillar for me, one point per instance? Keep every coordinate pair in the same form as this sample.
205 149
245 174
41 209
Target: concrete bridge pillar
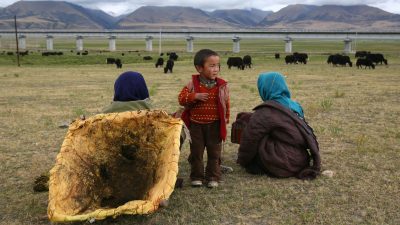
288 44
189 43
22 42
149 43
347 45
49 43
79 43
236 44
111 43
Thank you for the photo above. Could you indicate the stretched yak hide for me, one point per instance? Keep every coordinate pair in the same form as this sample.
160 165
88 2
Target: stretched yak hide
116 163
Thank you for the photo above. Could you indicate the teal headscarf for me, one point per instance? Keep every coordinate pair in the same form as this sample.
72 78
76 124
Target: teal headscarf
272 86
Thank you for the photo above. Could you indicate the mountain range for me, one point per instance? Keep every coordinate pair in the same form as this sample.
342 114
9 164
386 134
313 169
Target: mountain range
39 15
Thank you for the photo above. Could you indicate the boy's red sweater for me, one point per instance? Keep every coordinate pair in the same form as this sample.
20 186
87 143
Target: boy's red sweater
211 110
204 112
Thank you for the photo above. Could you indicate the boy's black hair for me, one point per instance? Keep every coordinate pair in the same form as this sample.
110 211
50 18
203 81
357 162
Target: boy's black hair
202 55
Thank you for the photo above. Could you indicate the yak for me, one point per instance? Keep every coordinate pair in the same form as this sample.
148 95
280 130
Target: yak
118 63
301 57
360 54
160 62
172 55
376 58
247 61
169 66
365 62
235 61
110 60
338 59
147 58
289 59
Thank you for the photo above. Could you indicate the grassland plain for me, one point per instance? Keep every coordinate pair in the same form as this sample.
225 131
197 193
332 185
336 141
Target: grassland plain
354 113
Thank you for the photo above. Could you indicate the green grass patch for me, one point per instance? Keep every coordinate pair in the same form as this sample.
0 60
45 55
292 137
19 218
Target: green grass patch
326 104
339 94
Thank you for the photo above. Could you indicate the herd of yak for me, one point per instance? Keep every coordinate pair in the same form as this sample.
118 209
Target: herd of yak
172 57
365 59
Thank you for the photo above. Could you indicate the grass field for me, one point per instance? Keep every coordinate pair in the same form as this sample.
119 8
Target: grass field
354 112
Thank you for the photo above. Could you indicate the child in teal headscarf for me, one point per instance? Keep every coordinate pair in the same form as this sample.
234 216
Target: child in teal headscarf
272 86
277 141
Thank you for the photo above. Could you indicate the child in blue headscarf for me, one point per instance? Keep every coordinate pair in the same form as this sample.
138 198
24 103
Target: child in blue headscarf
277 141
130 93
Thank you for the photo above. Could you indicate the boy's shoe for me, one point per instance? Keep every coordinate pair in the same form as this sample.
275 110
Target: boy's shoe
226 169
196 183
212 184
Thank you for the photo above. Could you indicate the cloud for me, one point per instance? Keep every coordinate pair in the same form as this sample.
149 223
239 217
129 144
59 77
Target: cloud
119 7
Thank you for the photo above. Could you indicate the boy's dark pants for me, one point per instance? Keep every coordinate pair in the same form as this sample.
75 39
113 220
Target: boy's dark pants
205 136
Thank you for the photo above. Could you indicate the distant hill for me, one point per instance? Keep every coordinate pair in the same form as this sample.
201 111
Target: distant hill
98 16
328 17
53 15
241 17
170 17
63 15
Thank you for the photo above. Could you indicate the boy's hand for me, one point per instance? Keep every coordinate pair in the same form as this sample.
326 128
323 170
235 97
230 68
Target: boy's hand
201 96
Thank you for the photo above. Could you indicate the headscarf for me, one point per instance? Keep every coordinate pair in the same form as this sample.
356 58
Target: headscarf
272 86
130 86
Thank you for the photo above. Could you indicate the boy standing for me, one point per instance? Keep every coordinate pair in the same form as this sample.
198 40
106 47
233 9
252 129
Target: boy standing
206 101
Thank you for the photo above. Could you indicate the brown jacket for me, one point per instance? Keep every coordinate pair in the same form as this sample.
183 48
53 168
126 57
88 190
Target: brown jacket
280 142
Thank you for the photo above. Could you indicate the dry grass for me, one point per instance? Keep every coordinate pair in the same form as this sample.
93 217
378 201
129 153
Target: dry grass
355 114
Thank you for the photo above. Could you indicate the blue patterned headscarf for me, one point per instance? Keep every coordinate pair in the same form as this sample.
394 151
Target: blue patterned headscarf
130 86
272 86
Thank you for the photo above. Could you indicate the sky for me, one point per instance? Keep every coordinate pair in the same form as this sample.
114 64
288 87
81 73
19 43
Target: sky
118 7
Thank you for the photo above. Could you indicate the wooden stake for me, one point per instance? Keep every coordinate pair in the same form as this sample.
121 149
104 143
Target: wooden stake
16 39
